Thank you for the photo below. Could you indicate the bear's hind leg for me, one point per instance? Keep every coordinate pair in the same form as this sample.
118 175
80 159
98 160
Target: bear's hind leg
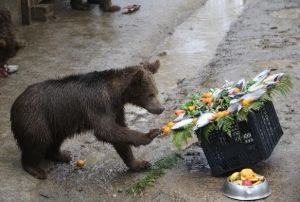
125 153
31 158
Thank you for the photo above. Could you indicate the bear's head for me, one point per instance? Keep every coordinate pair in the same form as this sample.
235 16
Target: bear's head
142 90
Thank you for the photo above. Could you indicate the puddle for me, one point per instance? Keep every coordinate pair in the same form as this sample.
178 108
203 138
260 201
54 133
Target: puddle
195 159
194 42
292 13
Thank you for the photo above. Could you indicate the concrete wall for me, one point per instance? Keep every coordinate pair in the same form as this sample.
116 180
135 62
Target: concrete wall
14 6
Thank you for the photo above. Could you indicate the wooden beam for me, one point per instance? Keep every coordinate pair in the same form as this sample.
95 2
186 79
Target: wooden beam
26 12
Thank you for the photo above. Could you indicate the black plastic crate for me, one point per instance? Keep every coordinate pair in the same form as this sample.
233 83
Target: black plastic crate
250 142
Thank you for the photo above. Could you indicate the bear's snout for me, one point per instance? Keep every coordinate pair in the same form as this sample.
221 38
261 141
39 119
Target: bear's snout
157 110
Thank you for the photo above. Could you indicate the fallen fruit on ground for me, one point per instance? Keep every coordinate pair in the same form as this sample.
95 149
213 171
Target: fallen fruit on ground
80 163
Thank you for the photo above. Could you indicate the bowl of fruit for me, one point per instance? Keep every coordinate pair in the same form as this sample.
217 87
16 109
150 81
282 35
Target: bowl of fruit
246 185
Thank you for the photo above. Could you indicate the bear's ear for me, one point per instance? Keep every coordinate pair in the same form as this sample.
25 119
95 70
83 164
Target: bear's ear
137 77
153 67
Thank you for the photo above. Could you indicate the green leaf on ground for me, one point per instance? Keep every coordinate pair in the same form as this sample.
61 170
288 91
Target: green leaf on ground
154 172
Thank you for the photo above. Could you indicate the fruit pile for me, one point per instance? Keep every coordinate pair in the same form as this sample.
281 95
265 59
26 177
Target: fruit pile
247 177
220 108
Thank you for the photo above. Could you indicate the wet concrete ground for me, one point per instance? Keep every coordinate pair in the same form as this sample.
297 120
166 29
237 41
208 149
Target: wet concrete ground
265 36
80 42
194 42
75 42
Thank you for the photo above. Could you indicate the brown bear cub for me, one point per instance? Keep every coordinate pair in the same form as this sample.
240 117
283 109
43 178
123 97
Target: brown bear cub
47 113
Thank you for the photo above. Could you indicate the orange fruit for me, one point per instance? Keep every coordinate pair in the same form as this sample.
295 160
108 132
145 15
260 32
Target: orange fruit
164 127
222 113
179 111
192 108
219 114
170 124
212 117
206 95
166 130
226 113
207 100
236 90
246 102
204 100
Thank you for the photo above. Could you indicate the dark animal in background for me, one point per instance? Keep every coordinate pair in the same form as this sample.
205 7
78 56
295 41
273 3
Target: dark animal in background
105 5
47 113
8 43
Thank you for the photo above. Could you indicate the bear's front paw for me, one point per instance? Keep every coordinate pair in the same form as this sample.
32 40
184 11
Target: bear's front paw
153 133
147 138
139 165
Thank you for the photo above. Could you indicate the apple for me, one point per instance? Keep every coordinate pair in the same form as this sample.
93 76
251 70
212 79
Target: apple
247 183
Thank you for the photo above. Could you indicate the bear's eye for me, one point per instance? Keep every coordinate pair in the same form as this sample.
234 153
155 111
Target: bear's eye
152 95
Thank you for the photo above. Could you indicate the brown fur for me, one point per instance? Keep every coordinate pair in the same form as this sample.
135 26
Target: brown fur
47 113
